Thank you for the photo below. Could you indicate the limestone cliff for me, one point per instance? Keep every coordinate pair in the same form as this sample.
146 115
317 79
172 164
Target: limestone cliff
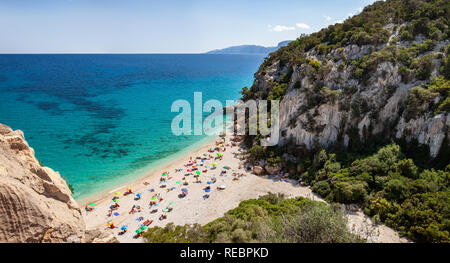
35 202
378 73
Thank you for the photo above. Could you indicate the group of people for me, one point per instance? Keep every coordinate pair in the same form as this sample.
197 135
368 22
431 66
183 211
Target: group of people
195 167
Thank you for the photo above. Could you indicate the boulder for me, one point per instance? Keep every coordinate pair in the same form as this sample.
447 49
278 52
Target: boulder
273 169
258 170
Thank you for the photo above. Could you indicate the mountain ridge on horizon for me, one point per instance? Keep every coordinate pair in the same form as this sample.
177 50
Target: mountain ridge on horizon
249 49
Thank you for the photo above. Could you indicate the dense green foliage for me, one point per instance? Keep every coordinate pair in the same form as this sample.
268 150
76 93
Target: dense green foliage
429 18
410 18
388 185
271 218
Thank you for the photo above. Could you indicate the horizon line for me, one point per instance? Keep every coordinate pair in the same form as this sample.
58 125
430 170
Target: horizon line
95 53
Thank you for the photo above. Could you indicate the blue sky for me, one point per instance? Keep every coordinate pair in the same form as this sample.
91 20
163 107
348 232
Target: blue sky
145 26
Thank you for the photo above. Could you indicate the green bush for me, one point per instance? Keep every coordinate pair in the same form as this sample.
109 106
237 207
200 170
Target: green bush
277 91
349 192
424 66
418 101
257 152
322 188
270 218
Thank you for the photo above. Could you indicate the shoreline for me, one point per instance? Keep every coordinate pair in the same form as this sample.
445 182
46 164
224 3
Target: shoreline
171 162
239 184
149 170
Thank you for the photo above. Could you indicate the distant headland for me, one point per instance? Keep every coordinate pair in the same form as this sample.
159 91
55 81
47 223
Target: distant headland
249 49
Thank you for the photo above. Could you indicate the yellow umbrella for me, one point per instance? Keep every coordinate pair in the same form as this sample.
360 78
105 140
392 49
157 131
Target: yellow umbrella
117 193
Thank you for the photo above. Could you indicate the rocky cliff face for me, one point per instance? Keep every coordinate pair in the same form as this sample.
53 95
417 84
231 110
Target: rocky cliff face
329 92
35 203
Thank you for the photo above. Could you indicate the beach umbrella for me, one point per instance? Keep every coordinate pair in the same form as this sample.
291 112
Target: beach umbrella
171 203
214 164
124 228
184 190
209 182
117 193
164 174
116 214
207 190
92 204
178 182
219 154
139 231
165 210
197 172
139 195
154 197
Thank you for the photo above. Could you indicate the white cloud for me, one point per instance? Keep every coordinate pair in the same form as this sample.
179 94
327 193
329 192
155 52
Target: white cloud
328 18
302 26
338 22
280 28
360 9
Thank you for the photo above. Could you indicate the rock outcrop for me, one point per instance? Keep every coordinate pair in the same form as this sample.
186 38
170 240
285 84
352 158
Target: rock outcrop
35 202
326 99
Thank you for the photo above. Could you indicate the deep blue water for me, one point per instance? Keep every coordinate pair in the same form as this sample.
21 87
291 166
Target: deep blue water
101 119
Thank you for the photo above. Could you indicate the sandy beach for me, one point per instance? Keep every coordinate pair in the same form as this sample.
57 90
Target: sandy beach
195 207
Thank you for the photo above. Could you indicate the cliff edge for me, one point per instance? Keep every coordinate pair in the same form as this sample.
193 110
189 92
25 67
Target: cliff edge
35 202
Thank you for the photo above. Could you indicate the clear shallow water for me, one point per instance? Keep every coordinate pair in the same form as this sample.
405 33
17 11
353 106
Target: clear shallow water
101 120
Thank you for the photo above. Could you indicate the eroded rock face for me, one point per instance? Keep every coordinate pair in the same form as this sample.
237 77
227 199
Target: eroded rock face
374 107
35 202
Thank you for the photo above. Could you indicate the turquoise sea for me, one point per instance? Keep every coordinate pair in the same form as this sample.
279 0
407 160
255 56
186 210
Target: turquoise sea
102 120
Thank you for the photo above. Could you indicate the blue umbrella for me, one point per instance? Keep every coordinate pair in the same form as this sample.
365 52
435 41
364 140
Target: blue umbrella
124 228
209 182
184 189
207 190
139 195
116 214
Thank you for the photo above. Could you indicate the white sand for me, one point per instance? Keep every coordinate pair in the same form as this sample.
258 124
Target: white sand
194 209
